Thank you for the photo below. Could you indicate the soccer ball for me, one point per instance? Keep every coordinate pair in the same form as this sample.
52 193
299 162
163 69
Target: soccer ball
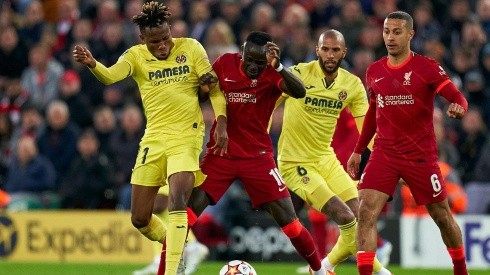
237 267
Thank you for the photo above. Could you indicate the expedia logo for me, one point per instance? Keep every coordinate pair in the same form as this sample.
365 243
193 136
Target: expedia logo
8 236
169 72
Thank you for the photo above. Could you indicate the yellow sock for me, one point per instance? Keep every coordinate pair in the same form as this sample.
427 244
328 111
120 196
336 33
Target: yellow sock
176 235
376 265
157 246
345 245
155 230
191 237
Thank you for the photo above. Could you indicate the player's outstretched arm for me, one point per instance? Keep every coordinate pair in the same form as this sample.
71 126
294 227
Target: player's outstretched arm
291 85
115 73
84 56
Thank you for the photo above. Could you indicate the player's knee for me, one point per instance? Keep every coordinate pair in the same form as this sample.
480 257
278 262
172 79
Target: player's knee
139 221
338 211
367 216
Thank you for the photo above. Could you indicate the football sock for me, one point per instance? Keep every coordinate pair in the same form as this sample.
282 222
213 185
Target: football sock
365 262
157 246
318 230
459 262
176 235
345 245
303 242
155 230
162 265
191 217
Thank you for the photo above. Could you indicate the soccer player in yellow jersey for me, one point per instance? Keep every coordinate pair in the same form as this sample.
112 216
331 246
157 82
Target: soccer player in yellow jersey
172 74
306 160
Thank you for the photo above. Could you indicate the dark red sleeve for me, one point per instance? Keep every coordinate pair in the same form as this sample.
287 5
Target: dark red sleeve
368 128
450 92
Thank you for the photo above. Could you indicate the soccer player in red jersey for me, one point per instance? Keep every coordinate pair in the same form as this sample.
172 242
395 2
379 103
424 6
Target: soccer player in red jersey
402 87
252 82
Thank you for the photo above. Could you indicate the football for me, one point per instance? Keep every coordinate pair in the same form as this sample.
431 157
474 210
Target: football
237 267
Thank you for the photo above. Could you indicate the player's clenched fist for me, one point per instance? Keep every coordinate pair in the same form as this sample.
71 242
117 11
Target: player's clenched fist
207 82
455 111
84 56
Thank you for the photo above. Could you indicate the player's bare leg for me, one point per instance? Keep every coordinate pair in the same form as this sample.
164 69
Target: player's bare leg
142 200
451 234
282 211
370 206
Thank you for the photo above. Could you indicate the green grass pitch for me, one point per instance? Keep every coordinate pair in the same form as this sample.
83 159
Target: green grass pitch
207 268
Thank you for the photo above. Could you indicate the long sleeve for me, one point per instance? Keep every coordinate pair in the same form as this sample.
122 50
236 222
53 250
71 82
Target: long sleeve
218 102
114 73
453 95
368 128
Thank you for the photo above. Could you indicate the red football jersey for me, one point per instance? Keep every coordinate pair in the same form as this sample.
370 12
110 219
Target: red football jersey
404 98
250 103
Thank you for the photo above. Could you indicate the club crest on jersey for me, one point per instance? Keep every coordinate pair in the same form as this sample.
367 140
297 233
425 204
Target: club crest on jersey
181 59
342 95
305 179
406 82
254 83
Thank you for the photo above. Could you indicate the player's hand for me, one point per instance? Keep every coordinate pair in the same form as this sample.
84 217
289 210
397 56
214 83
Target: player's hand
353 165
220 137
207 82
84 56
273 54
455 111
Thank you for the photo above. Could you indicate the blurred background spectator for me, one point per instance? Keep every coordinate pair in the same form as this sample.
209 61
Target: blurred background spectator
88 183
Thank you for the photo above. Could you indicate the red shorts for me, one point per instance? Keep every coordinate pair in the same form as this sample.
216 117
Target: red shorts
425 182
259 177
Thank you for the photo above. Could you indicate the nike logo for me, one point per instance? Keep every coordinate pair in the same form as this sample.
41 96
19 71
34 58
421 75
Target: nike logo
282 188
436 194
180 226
378 79
229 80
309 87
150 60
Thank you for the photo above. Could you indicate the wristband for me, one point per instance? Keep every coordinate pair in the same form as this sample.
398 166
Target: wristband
278 69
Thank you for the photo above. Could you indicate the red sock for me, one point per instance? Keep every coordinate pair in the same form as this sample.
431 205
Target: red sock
459 263
303 242
365 260
318 230
161 266
191 217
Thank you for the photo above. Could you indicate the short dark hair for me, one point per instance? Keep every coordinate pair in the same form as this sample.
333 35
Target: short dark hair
259 38
403 16
153 14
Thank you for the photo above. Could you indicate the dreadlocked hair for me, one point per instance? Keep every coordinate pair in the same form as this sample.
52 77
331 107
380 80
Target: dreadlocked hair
153 14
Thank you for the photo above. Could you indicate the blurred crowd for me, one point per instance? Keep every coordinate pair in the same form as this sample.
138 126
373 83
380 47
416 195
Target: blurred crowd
67 141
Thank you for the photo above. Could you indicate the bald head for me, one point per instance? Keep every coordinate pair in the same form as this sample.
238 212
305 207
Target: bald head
332 34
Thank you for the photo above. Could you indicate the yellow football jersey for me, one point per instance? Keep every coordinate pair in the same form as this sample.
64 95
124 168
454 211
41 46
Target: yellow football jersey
168 88
309 122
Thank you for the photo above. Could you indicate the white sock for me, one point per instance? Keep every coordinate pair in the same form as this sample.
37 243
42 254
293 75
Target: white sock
384 271
326 263
321 271
156 259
